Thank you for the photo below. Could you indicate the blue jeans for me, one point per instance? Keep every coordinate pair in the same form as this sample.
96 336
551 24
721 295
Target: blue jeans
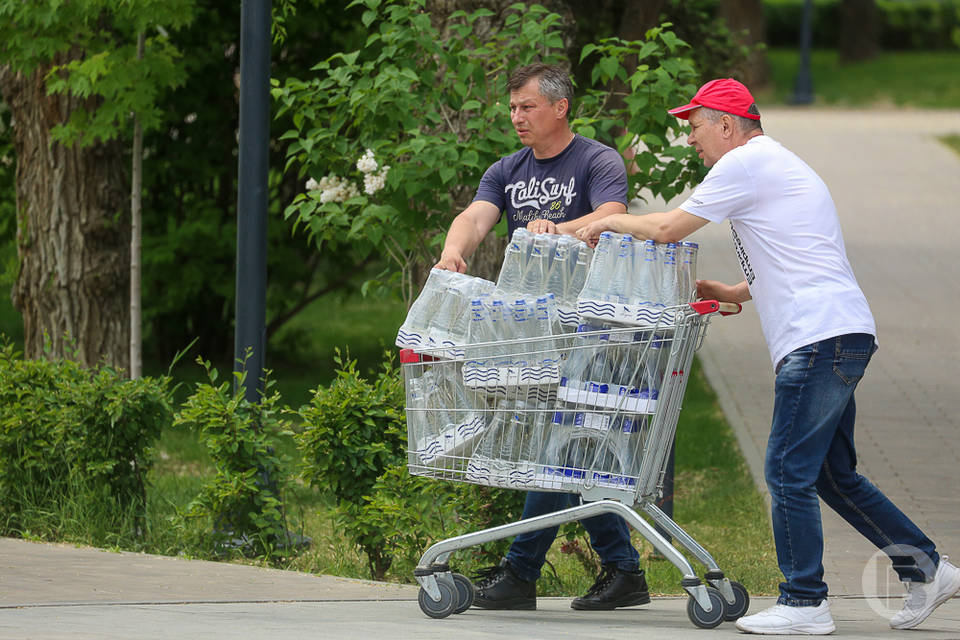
609 536
811 452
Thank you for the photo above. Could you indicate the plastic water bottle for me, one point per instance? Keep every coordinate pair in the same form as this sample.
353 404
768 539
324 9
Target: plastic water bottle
481 328
646 283
578 277
558 279
595 286
511 273
426 305
600 372
688 271
669 284
519 327
618 287
442 322
418 418
535 275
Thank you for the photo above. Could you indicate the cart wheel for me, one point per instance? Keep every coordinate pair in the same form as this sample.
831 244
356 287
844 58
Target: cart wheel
442 608
465 592
740 604
706 619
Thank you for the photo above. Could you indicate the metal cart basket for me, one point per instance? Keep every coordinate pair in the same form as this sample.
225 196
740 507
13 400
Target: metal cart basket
592 413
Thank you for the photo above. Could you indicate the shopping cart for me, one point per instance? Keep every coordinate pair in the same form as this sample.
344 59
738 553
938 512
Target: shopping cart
592 413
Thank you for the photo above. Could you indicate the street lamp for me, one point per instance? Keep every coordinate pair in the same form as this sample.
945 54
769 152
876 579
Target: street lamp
803 89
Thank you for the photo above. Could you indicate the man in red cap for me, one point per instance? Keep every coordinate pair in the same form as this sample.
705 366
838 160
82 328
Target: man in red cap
821 335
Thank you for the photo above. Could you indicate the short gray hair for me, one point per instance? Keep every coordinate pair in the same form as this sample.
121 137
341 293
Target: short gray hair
745 125
553 81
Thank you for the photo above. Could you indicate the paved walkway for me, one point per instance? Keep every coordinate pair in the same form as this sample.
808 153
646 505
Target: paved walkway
55 591
896 189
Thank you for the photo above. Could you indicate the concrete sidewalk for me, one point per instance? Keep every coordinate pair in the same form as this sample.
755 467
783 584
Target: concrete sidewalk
57 591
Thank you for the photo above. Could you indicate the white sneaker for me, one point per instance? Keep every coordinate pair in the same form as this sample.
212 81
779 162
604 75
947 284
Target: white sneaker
784 620
923 597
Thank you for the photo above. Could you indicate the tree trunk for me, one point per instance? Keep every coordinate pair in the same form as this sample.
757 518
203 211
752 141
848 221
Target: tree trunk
859 30
73 232
745 20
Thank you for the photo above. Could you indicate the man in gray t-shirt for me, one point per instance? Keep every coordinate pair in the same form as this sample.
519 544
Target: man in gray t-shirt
577 181
556 184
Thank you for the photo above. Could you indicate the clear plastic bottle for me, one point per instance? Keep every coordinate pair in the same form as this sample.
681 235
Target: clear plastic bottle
688 271
597 277
646 283
578 277
441 323
535 275
669 281
558 279
600 368
621 272
424 307
514 262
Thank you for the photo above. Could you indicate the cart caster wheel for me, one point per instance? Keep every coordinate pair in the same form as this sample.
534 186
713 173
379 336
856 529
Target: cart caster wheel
465 592
442 608
707 619
741 602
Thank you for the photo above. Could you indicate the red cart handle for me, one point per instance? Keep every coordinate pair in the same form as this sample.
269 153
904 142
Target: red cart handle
704 307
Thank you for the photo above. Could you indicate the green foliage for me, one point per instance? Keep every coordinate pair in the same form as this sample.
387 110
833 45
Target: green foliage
643 131
433 110
353 431
904 24
242 505
90 46
919 79
70 436
717 53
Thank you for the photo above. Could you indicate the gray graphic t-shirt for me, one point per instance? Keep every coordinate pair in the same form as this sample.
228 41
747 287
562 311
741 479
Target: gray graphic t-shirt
570 184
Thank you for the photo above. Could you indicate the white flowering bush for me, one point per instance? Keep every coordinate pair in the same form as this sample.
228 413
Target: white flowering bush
434 108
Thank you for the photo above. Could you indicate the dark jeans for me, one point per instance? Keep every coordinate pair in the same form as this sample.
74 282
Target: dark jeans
811 452
609 536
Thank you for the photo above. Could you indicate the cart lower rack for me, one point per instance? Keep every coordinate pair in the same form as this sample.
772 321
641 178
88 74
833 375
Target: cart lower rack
592 413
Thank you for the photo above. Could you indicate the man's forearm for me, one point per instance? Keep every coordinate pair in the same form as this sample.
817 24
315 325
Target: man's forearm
570 227
463 238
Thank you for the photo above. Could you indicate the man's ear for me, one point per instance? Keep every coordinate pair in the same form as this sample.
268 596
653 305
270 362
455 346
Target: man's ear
729 126
561 107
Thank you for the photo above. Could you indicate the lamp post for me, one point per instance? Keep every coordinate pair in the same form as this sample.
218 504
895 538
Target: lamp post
803 89
251 285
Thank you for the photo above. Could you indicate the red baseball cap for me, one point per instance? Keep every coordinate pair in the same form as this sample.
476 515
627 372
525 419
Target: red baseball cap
723 94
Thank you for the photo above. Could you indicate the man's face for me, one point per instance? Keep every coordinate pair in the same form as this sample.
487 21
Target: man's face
707 138
535 119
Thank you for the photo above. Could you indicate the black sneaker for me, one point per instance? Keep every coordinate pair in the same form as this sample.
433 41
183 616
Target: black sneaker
614 588
500 588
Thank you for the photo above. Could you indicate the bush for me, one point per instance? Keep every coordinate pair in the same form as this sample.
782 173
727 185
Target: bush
242 507
353 431
76 439
904 24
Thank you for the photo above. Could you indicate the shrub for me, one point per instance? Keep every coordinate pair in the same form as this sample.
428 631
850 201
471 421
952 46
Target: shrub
904 24
353 431
77 439
242 507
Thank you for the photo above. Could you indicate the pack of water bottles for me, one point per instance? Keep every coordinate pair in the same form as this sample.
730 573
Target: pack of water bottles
542 264
440 316
459 315
640 283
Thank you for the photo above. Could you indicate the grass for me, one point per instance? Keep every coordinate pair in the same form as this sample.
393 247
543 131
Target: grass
920 79
952 141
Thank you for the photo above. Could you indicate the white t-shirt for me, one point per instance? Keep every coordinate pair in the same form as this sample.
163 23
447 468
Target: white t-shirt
788 240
